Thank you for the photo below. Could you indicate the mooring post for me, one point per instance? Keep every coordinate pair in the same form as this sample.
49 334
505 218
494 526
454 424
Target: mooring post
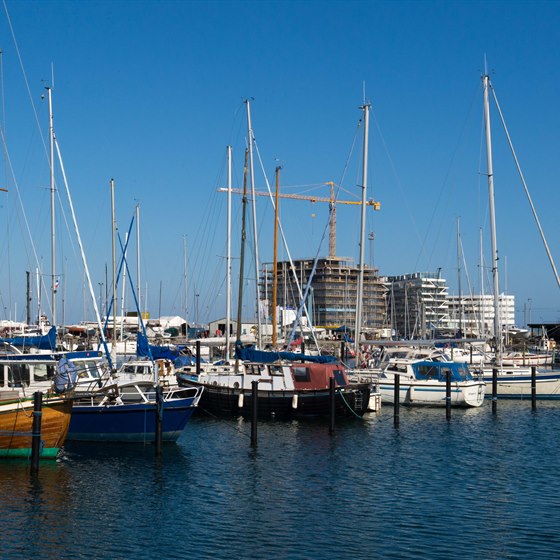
342 351
198 357
332 408
534 387
36 430
159 419
448 394
254 411
494 390
396 400
470 353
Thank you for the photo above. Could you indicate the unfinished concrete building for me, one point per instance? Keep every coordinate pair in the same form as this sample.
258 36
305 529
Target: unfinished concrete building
331 301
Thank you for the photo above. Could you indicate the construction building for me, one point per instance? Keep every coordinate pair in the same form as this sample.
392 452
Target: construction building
331 301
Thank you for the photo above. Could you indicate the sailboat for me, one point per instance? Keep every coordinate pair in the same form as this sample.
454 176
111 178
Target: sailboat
512 381
289 385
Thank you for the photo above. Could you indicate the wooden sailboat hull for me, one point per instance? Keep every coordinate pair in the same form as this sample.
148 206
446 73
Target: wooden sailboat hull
16 424
229 401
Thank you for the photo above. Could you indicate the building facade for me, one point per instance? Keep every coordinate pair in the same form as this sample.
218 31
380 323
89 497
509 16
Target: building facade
331 301
474 315
418 305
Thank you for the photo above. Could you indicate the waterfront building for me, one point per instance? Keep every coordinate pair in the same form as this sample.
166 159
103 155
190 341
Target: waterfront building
474 314
332 297
418 304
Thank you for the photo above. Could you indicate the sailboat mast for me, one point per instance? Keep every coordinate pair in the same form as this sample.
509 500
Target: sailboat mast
228 255
497 322
275 262
186 285
53 252
482 317
254 206
138 264
360 289
459 276
113 228
241 259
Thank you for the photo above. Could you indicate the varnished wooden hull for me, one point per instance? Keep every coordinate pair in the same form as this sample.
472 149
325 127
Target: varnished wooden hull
16 425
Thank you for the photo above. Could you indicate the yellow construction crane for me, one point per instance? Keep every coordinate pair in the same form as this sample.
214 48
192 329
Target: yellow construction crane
331 200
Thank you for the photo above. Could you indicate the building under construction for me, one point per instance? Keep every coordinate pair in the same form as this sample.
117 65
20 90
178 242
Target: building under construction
331 300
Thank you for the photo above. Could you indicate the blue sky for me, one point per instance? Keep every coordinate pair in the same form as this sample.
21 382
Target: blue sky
150 93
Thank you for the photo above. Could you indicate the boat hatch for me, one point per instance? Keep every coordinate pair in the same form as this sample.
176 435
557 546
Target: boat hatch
340 378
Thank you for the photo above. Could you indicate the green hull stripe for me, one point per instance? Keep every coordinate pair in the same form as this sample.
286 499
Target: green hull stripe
46 453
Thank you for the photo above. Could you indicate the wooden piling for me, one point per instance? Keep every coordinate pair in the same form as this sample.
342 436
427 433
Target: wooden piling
332 408
36 431
396 400
534 387
254 411
448 394
198 357
159 419
494 390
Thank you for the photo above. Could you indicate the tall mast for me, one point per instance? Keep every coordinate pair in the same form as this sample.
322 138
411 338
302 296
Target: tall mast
482 312
241 259
186 284
497 322
53 252
228 255
138 263
275 262
254 206
360 287
459 275
113 228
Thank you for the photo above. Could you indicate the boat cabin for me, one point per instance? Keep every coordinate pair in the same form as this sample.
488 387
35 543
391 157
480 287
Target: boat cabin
316 376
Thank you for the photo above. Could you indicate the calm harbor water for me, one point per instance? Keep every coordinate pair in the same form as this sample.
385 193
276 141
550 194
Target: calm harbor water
479 487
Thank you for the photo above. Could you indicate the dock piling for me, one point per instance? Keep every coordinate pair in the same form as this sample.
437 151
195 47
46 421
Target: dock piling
448 395
332 408
494 390
534 387
159 419
254 411
396 400
36 431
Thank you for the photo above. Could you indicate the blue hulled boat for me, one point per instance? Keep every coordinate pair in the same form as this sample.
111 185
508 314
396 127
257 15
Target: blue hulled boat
127 413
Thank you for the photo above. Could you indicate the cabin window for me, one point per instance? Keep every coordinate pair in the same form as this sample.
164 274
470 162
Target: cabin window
301 374
18 375
427 372
465 374
42 372
339 377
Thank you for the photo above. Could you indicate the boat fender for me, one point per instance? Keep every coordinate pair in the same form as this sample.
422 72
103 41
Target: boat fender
295 401
240 400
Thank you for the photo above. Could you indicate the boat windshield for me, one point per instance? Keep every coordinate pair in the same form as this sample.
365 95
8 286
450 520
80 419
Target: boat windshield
438 372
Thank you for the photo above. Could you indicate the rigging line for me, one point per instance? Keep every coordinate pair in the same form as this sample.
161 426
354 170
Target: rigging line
84 261
526 189
301 296
445 180
25 78
16 185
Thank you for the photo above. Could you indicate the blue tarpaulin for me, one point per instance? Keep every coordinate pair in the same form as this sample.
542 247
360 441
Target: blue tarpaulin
251 354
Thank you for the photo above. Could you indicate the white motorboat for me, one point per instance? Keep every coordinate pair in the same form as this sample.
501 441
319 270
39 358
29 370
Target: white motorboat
423 382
